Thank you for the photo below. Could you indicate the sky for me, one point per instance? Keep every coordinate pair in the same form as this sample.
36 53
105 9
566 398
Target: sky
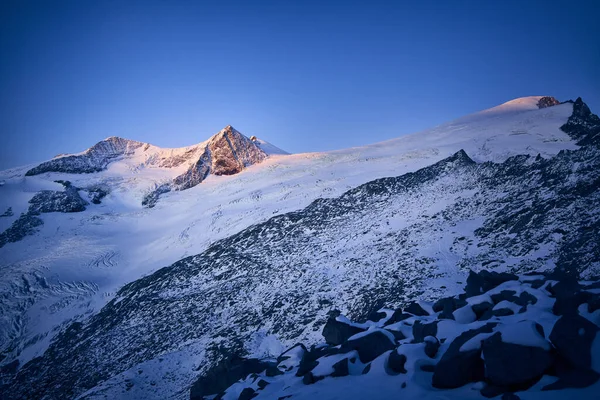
303 75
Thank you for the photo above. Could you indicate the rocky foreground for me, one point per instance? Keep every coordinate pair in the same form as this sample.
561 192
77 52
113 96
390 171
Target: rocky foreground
505 335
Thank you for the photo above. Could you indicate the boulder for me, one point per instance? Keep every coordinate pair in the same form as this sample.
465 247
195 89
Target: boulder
480 308
420 331
309 358
573 336
447 306
397 316
340 368
513 366
432 345
369 346
226 373
483 281
457 368
396 362
247 394
336 332
415 309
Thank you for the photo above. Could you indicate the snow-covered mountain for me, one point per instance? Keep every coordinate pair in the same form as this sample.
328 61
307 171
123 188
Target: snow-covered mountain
281 240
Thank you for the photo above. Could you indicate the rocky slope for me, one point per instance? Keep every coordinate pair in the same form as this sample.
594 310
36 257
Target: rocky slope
384 243
533 334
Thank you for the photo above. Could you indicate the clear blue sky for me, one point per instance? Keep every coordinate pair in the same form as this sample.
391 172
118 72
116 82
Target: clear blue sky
304 75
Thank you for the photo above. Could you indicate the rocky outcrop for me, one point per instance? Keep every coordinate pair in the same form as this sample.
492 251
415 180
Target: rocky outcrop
46 201
583 126
547 101
94 159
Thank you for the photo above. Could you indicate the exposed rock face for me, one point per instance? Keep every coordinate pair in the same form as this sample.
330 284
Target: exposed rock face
227 153
25 225
547 101
583 126
94 159
45 201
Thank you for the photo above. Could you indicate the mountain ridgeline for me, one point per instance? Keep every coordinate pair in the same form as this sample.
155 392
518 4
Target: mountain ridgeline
381 244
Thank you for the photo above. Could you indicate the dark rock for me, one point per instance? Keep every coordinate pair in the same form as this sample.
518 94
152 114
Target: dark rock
480 308
97 193
572 336
432 345
309 358
397 316
224 374
415 309
457 368
340 368
526 298
397 334
502 312
478 283
505 295
247 394
427 367
273 371
396 362
369 346
366 370
48 201
94 159
151 198
8 212
376 316
512 365
24 226
309 378
510 396
336 332
420 330
262 383
403 386
447 306
582 125
546 101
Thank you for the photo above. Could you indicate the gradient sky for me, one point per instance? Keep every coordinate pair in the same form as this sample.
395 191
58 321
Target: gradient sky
306 76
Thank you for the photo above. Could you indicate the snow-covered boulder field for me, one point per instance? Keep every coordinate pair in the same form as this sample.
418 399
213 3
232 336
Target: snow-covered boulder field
532 336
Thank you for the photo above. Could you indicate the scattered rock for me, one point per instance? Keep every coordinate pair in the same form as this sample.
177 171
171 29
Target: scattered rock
369 346
420 331
336 332
415 309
